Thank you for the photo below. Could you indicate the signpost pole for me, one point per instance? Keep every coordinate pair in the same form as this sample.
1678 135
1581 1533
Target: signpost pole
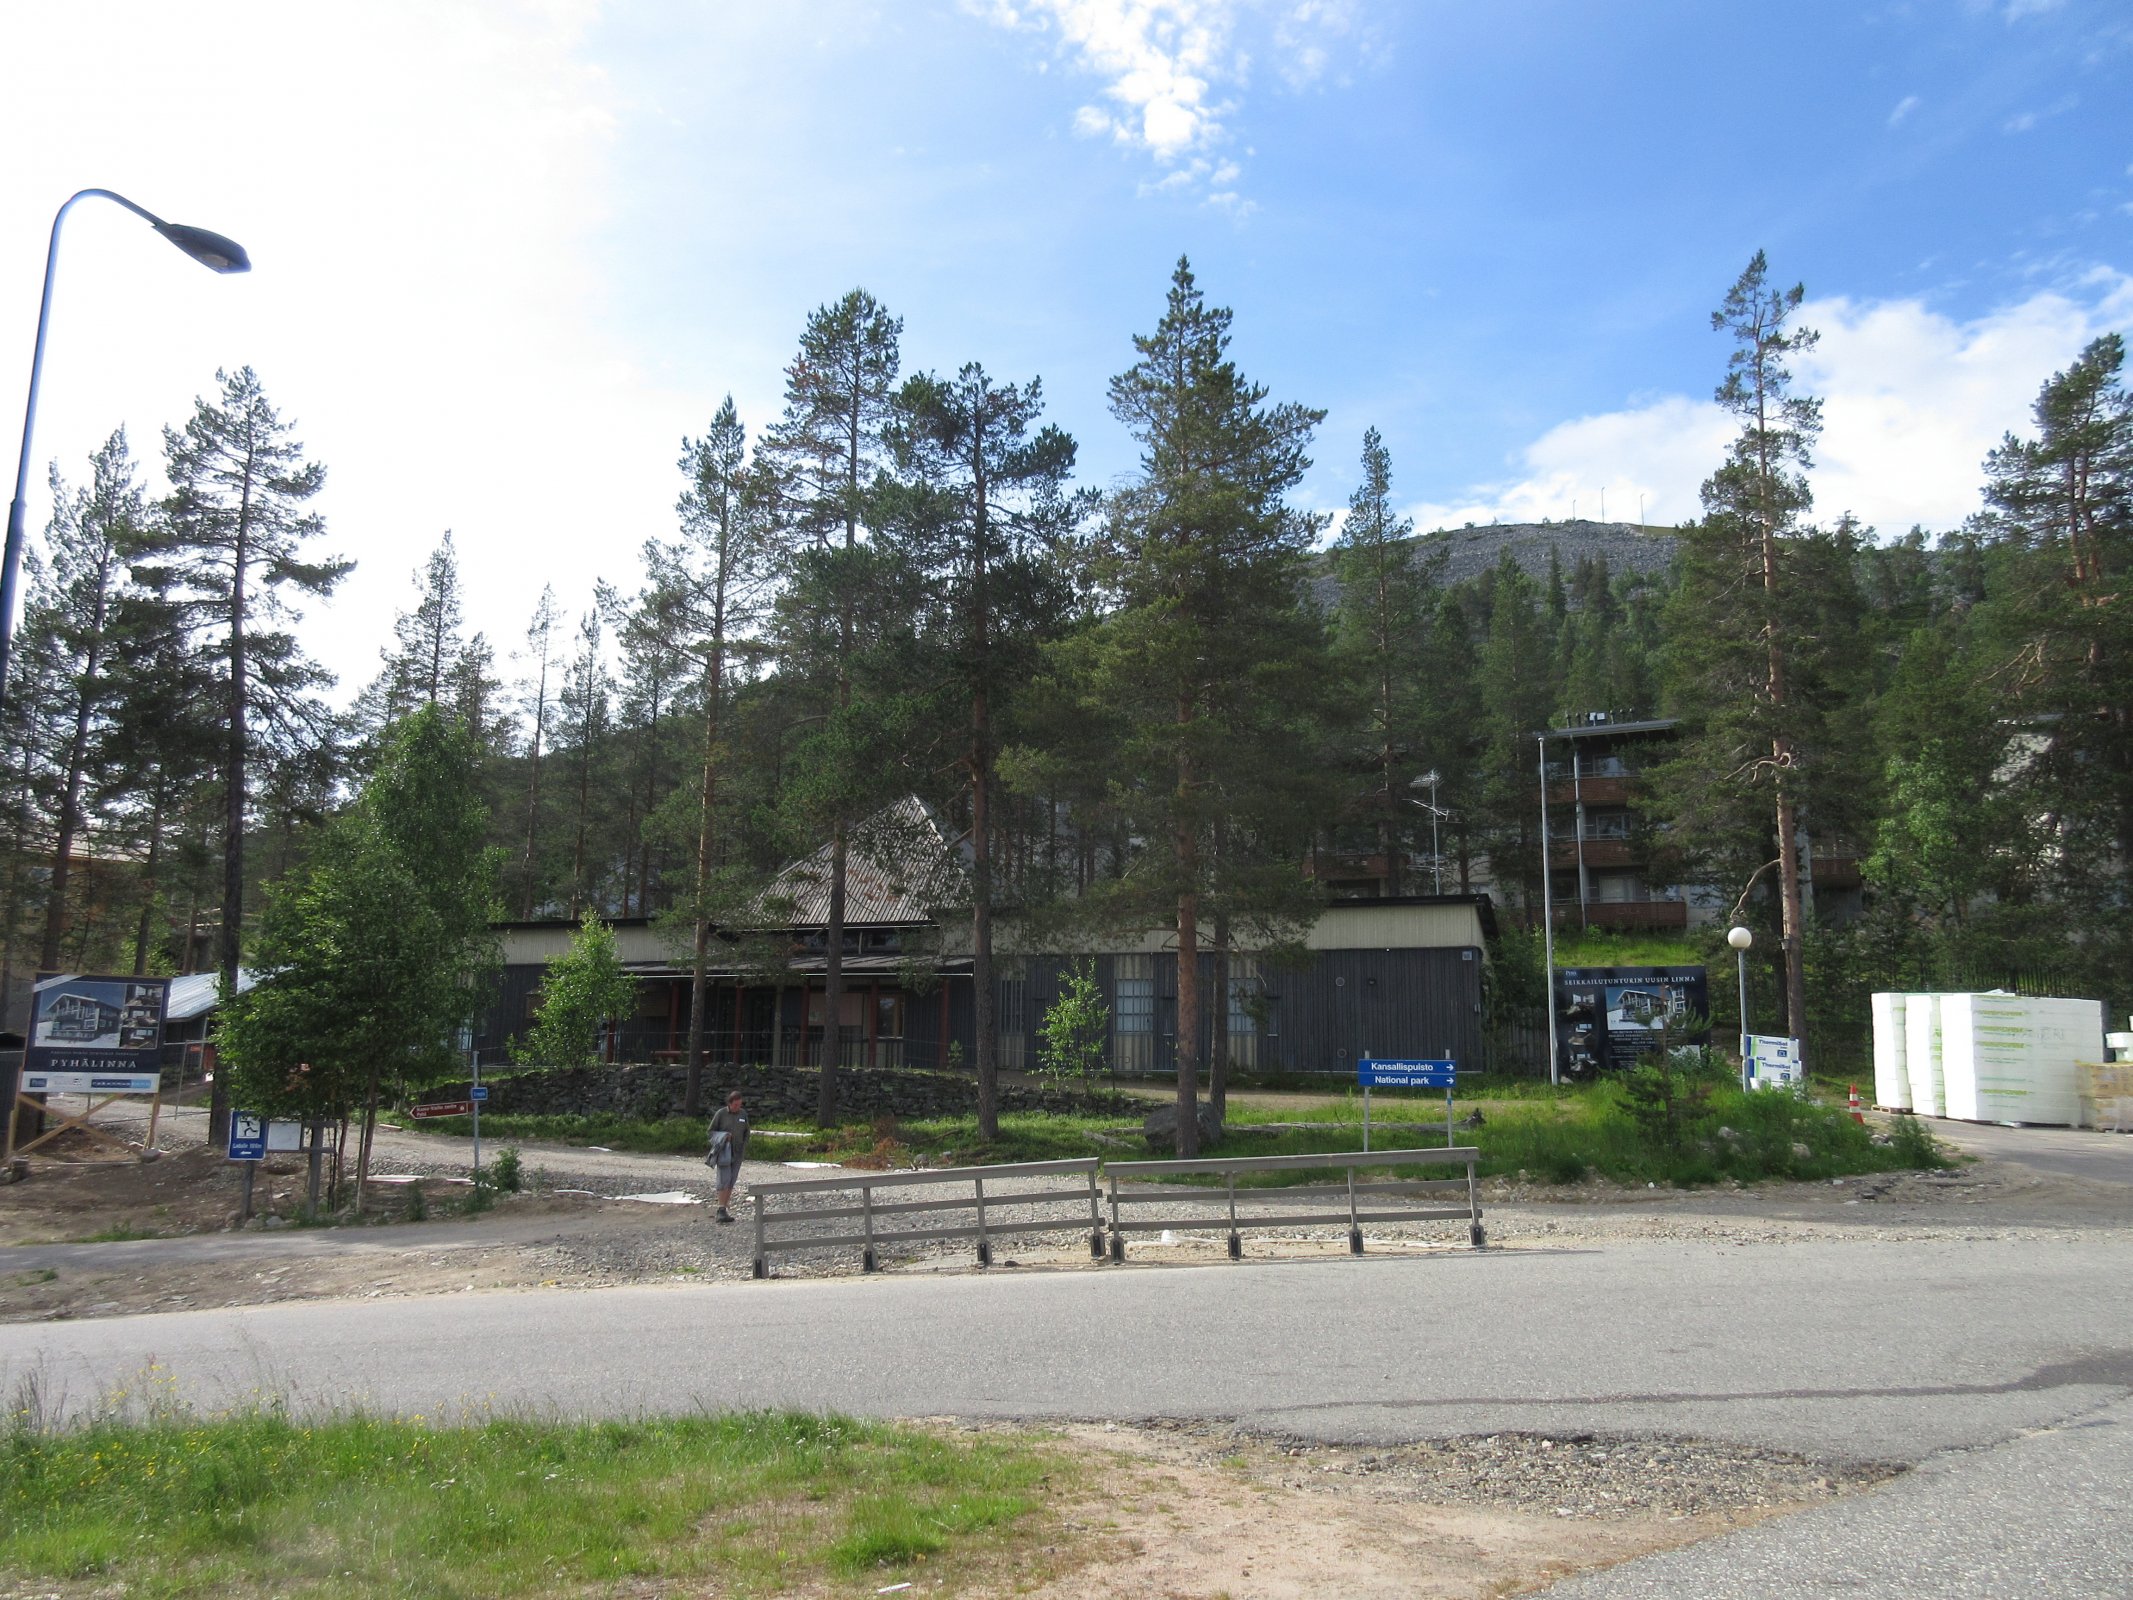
1447 1118
475 1057
1366 1117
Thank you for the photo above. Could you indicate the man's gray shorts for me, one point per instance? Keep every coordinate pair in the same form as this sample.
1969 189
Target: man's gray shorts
727 1170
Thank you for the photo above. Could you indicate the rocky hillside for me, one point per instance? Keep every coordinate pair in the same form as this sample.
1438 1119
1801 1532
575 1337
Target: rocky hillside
1627 547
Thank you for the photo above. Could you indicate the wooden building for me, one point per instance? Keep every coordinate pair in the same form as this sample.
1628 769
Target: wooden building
1389 976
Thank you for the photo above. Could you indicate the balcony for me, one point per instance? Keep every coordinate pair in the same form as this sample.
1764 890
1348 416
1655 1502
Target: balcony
1597 790
1599 853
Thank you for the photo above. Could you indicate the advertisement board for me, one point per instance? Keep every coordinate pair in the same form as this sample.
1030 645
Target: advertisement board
1606 1017
95 1027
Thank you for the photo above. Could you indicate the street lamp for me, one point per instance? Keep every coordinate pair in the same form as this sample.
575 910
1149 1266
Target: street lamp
211 250
1741 939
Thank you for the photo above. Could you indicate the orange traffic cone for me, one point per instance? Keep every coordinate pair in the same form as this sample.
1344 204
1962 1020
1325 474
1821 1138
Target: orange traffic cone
1857 1114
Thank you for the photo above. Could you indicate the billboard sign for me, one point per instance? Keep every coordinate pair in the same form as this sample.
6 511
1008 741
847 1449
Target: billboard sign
96 1027
1607 1017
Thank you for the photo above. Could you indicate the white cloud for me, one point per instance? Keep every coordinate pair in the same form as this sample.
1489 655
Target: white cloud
422 188
1171 71
1904 107
1912 401
2018 9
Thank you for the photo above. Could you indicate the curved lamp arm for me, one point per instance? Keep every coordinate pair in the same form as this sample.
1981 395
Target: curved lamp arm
211 250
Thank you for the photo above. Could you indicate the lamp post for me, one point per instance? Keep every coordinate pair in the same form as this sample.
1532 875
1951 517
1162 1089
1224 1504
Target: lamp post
1555 1071
211 250
1741 939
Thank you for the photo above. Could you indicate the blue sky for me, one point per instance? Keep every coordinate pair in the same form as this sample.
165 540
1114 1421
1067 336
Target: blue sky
509 253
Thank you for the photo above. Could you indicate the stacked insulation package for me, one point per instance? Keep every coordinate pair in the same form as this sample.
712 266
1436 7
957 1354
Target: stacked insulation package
1892 1079
1985 1057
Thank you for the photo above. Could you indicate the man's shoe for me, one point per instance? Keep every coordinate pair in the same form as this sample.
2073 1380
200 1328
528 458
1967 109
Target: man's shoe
724 1215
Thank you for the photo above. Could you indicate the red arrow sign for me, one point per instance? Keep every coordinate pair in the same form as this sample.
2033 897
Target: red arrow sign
443 1108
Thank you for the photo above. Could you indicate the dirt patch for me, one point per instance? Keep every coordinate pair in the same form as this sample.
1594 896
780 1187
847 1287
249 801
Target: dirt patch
189 1190
1194 1511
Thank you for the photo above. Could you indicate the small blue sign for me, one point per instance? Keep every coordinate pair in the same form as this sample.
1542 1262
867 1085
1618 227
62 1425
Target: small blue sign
478 1093
248 1136
1371 1074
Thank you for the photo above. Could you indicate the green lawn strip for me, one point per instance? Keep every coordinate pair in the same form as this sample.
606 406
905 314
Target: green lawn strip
1553 1135
760 1502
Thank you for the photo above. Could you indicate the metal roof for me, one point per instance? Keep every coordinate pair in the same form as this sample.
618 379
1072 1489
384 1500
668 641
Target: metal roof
900 866
197 993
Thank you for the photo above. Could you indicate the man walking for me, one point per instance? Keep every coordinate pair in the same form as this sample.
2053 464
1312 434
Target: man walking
729 1143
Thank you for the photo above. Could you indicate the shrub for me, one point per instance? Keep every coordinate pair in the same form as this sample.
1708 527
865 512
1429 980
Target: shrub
1071 1037
504 1170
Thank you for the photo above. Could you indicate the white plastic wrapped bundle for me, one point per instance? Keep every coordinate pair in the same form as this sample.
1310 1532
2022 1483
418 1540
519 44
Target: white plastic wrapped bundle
1921 1027
1892 1078
2016 1058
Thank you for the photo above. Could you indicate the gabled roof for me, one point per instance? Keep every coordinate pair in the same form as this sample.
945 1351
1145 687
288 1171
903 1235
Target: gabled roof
900 867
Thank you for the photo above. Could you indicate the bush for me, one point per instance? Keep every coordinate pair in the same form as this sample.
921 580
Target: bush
1071 1037
504 1170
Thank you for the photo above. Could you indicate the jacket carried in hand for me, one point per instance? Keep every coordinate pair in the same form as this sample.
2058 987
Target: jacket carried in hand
734 1125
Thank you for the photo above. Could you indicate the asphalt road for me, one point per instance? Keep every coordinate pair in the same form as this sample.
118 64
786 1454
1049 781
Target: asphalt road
1885 1351
2059 1152
2005 1365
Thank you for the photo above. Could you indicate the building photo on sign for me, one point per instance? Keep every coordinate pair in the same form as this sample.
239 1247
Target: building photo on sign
89 1024
1609 1016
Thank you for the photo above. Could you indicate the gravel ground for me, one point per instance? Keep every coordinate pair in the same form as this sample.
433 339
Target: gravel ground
1578 1475
574 1229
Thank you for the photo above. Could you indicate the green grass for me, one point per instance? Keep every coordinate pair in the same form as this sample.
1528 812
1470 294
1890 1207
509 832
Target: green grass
1597 947
121 1233
760 1503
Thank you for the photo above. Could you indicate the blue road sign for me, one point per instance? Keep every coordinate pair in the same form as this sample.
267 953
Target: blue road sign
1371 1074
248 1136
478 1093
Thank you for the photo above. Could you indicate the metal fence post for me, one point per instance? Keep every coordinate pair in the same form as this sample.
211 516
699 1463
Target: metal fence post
1236 1240
1118 1235
1355 1228
762 1261
1475 1234
867 1263
984 1244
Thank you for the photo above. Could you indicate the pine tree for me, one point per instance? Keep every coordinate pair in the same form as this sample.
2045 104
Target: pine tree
94 533
230 552
540 649
979 519
1737 626
1207 561
821 459
708 589
584 706
1385 603
2057 543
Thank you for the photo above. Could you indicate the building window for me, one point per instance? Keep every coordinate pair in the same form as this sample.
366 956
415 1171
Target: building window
1009 1007
1135 1011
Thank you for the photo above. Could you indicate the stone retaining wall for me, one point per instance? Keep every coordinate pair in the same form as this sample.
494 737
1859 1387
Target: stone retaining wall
656 1091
